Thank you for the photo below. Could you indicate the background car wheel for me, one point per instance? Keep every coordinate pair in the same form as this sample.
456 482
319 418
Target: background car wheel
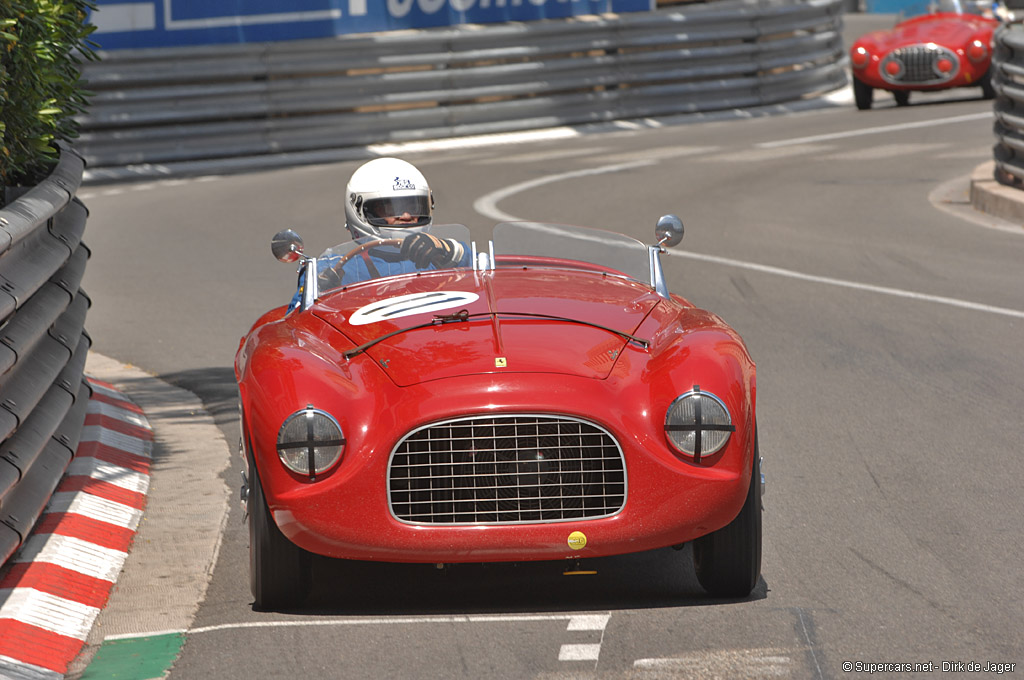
988 91
280 572
728 561
902 97
862 94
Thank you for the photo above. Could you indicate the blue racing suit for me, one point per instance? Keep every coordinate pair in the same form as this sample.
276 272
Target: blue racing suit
373 263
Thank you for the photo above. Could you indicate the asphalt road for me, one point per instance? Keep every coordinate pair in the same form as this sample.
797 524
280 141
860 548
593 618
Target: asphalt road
887 333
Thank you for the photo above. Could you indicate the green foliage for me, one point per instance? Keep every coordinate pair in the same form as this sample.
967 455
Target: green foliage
42 45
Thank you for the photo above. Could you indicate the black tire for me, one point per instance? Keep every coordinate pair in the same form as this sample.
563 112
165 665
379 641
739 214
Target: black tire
728 561
988 90
862 94
902 97
280 572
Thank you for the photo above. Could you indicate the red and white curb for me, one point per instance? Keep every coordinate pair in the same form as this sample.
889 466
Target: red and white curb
54 587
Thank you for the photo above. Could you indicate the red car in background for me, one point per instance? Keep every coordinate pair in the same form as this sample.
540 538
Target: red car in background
947 46
551 401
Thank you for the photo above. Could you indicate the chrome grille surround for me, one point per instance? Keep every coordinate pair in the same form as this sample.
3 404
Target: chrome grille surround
918 65
520 468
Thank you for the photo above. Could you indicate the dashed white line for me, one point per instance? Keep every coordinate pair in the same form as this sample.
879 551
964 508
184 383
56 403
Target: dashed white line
589 652
589 622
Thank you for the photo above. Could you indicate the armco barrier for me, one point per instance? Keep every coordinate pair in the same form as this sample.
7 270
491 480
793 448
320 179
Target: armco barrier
43 345
183 104
1008 81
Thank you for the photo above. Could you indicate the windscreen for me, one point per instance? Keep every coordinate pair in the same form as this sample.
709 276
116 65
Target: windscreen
371 259
572 247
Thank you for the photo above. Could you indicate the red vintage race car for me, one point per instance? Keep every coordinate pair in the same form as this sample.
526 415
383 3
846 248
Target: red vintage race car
549 400
948 45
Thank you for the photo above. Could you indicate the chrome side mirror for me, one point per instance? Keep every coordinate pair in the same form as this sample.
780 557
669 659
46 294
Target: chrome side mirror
286 246
669 231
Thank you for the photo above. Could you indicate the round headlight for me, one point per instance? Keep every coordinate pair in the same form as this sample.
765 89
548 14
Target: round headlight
310 441
860 57
698 424
977 50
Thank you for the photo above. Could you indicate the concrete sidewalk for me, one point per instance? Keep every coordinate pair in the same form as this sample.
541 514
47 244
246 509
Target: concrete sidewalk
993 198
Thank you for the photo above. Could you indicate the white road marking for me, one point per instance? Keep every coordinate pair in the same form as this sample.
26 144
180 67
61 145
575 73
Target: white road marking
727 663
589 622
487 205
876 130
474 141
576 622
579 652
895 292
568 652
770 153
882 151
657 154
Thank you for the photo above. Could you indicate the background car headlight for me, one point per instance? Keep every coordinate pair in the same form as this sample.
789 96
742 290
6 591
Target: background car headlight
977 51
310 441
698 424
860 57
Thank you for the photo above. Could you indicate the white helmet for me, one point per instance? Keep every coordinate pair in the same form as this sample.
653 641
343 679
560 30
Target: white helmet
387 188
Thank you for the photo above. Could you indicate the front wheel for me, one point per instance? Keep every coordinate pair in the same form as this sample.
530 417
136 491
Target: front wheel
988 90
862 94
280 572
728 561
902 97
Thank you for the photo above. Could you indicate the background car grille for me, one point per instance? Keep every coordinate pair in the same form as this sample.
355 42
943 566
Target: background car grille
506 470
918 63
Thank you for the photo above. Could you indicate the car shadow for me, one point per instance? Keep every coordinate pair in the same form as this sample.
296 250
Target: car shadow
654 579
884 100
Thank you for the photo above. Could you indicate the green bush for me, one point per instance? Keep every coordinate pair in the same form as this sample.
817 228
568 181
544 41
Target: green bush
42 45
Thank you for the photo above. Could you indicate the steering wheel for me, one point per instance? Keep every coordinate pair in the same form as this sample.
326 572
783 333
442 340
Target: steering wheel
361 248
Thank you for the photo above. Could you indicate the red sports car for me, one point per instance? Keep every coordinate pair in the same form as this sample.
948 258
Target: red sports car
551 400
949 46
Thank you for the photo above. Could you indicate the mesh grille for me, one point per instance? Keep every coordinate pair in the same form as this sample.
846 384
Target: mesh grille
506 470
918 65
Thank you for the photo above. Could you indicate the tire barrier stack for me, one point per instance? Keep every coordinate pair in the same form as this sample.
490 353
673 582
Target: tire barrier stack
167 105
1008 81
43 345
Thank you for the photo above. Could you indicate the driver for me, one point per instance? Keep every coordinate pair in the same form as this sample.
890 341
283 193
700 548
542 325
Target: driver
388 198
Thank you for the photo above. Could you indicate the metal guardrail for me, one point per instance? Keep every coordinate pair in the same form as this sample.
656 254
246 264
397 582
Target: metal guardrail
1008 81
43 345
168 105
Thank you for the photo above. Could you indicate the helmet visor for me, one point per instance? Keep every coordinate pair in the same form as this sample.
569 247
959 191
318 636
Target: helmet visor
398 211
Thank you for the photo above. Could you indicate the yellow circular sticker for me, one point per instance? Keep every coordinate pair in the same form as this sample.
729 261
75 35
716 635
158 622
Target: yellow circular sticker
577 540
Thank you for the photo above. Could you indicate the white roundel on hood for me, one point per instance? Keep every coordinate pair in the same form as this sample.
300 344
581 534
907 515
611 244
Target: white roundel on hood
407 305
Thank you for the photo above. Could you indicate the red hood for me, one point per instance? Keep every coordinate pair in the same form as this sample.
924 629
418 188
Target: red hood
483 343
949 30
